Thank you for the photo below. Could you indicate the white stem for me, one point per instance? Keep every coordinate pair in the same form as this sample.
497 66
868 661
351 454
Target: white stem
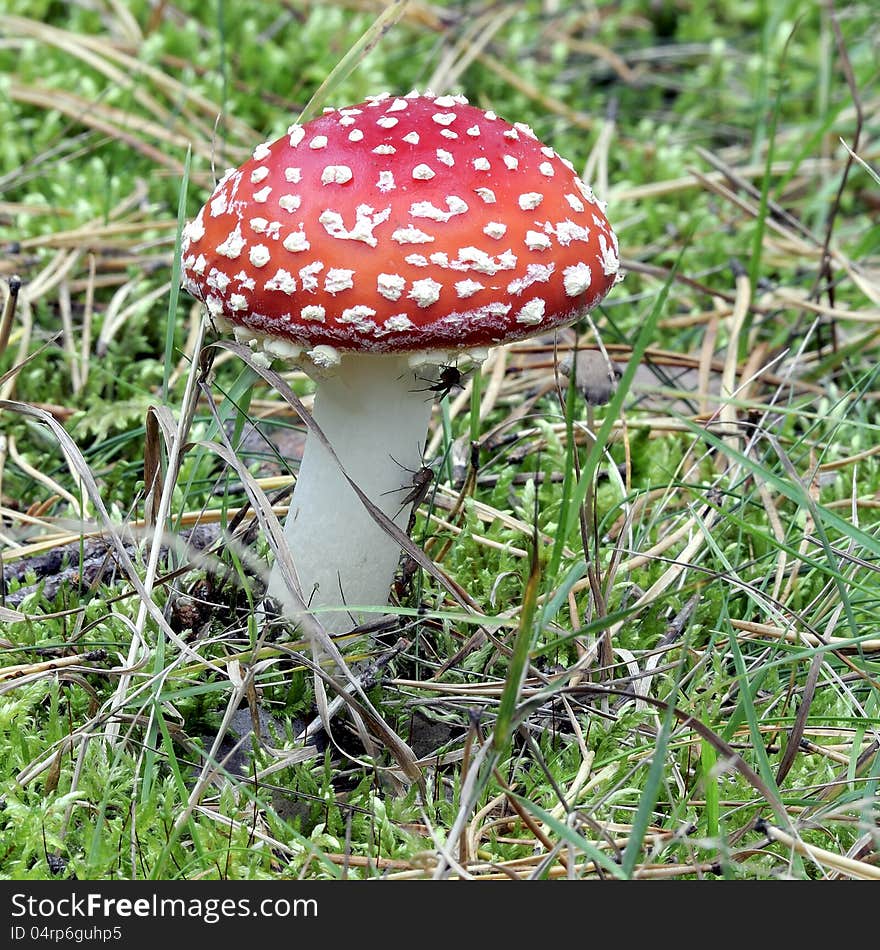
376 419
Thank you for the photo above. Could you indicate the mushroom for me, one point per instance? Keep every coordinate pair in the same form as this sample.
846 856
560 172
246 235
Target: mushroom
595 375
372 246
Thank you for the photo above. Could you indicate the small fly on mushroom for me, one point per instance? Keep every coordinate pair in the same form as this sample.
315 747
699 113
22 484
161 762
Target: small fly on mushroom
450 378
421 482
417 487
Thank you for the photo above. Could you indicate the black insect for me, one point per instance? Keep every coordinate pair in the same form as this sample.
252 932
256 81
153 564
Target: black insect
416 492
421 482
451 378
57 863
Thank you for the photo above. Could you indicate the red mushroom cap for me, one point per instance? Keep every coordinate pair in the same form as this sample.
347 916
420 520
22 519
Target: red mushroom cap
401 225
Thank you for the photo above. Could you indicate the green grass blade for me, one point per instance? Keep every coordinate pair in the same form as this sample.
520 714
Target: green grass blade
183 797
747 691
708 759
522 643
612 412
174 294
567 480
764 202
448 438
365 45
554 605
476 397
651 790
578 842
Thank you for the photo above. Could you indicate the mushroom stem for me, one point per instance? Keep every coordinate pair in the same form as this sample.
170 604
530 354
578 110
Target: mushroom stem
375 417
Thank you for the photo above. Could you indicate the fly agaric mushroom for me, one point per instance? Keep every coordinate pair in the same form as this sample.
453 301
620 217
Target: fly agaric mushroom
373 245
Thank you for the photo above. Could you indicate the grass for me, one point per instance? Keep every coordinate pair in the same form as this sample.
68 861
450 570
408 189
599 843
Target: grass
641 645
